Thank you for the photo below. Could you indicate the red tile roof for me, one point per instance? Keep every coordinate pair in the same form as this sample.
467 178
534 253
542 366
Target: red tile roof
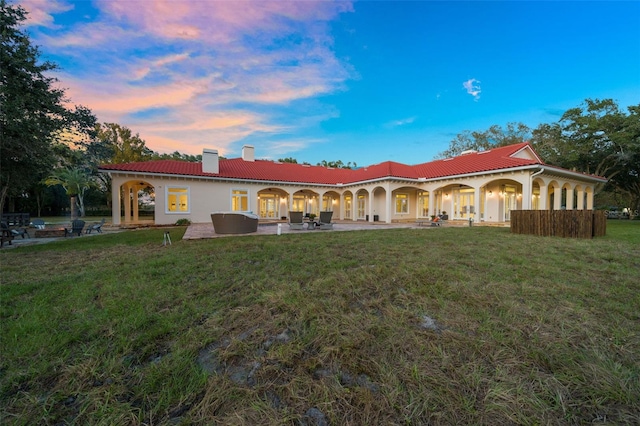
264 170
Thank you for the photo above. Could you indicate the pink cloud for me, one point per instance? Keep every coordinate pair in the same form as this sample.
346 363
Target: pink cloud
215 55
40 12
221 21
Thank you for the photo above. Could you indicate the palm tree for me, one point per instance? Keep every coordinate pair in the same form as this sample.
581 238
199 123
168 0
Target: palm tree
75 182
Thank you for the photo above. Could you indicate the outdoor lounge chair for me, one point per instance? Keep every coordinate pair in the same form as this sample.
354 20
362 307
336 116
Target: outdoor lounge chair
96 227
438 221
296 220
38 223
76 228
14 232
5 234
20 232
325 220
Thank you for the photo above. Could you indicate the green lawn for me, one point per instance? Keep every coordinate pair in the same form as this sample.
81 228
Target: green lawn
404 326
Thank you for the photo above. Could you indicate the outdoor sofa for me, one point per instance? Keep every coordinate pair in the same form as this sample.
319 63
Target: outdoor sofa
234 222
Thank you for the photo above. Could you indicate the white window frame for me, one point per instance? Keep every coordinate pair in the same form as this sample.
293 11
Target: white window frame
168 191
405 205
247 195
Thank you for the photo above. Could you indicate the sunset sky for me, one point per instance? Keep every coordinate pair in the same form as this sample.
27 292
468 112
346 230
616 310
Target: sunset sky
361 81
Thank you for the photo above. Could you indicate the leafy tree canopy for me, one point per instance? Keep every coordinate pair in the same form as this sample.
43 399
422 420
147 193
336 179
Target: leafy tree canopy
495 136
179 156
595 138
288 160
33 113
337 164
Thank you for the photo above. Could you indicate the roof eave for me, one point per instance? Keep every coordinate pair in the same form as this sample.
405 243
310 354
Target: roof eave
218 178
571 173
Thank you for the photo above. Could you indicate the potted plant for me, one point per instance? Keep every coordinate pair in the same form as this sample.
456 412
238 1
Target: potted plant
444 215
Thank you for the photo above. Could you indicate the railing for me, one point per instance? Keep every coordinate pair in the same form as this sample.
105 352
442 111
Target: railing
559 223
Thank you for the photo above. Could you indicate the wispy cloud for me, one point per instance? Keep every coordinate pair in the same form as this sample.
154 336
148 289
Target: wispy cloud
188 75
401 122
473 88
41 11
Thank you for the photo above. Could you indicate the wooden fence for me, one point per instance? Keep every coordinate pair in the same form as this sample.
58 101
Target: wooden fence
559 223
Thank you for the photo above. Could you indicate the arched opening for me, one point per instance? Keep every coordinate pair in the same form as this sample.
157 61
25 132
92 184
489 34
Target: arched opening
463 202
138 202
536 193
331 202
379 205
554 196
272 203
362 198
306 201
349 211
502 196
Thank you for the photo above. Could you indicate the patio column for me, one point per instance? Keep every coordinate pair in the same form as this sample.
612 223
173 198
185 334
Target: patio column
341 207
387 207
115 203
590 200
527 193
544 196
557 198
370 211
432 203
580 197
134 200
127 202
569 205
290 203
476 204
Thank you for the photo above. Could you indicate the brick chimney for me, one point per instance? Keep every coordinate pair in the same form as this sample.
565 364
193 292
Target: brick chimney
210 162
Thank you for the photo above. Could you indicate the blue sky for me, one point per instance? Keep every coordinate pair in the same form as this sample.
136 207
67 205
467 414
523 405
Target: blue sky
360 82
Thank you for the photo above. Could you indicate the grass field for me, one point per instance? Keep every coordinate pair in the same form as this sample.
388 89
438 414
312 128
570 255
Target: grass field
404 326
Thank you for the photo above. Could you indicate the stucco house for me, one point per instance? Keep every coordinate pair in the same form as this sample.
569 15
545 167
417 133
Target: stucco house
484 186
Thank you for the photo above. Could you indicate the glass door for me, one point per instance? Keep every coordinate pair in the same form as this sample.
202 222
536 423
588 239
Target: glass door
361 206
423 204
510 200
463 203
269 207
347 207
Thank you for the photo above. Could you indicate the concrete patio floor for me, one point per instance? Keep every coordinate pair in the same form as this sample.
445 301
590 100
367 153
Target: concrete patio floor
198 231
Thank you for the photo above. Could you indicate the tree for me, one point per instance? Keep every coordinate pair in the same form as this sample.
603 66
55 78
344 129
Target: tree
493 137
75 182
288 160
178 156
597 138
337 164
33 112
124 145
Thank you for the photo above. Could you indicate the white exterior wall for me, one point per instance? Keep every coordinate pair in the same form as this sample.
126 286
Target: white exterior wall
209 195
